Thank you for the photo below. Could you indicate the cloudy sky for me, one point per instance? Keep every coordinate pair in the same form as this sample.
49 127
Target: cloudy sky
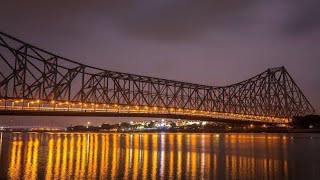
213 42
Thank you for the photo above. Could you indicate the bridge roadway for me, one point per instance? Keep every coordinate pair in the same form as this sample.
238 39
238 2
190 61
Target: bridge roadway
123 114
41 108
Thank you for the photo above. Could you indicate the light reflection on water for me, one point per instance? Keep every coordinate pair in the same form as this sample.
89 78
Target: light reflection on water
158 156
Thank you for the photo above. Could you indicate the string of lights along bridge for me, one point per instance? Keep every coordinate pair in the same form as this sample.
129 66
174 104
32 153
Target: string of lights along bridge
34 81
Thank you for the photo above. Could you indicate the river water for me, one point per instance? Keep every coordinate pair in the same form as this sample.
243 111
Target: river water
159 156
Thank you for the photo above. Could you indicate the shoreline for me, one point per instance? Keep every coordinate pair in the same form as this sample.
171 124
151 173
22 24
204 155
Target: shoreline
256 131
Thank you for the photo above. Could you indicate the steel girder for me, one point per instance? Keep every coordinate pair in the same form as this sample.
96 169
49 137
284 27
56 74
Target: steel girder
30 73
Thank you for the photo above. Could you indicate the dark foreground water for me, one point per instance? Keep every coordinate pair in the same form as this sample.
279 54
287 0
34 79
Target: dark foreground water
159 156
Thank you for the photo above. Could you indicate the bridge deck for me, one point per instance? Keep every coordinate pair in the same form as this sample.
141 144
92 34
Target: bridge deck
122 114
42 108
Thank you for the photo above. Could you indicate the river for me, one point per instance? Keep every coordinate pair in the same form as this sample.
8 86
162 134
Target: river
159 156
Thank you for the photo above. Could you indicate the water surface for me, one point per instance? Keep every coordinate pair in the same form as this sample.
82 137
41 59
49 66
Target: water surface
159 156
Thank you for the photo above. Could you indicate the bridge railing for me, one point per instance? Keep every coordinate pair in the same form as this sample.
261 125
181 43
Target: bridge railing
22 105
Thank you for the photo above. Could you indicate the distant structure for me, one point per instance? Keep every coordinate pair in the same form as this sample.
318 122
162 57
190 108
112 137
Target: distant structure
32 79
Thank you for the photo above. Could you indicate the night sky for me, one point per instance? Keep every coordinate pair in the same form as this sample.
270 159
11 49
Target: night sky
212 42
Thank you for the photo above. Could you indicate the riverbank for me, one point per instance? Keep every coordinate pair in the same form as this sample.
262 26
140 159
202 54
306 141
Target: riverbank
274 130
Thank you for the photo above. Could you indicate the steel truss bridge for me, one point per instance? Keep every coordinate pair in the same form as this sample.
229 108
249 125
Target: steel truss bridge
36 82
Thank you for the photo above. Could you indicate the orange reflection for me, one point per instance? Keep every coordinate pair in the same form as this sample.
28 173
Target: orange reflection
194 163
27 171
35 158
31 161
64 158
179 161
162 155
50 158
147 156
71 153
14 170
78 157
128 154
58 157
90 156
104 156
188 163
115 153
136 146
171 154
84 155
154 156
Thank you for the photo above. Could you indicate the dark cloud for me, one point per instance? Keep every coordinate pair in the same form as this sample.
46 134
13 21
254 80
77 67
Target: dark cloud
305 18
185 19
175 19
169 19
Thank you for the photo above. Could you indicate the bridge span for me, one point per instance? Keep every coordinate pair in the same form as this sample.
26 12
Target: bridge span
34 81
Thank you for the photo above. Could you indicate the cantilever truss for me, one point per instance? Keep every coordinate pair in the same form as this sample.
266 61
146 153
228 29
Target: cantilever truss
30 73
